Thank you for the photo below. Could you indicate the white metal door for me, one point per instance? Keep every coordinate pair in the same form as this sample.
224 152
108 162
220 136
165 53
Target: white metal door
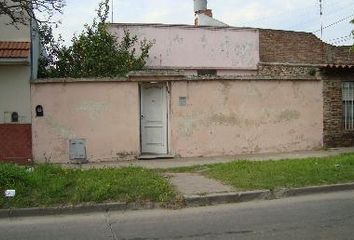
153 119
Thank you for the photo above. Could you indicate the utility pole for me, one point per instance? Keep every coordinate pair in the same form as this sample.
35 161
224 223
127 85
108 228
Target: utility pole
112 10
321 17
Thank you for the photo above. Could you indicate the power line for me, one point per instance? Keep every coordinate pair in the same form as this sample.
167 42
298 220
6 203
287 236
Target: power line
295 12
334 23
328 13
342 40
339 38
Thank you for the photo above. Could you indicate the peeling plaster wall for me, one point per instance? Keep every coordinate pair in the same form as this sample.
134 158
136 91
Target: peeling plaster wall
187 47
105 114
220 118
234 117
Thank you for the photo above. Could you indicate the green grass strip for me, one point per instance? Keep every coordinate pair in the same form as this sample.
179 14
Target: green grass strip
247 175
49 185
254 175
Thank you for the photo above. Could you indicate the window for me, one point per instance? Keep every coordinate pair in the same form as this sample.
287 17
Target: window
348 105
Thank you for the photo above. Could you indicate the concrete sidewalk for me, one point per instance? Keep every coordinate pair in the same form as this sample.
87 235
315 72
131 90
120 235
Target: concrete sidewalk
187 162
195 184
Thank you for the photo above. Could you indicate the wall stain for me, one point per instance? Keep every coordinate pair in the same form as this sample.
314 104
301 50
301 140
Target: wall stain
193 122
178 39
188 126
288 115
225 90
126 156
204 41
224 120
93 109
60 128
297 91
253 91
242 53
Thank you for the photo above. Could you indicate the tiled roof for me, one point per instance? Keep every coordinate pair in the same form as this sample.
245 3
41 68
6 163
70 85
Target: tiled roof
14 49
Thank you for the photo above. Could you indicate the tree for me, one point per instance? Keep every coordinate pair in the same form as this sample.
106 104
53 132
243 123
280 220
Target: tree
22 11
50 48
94 52
352 21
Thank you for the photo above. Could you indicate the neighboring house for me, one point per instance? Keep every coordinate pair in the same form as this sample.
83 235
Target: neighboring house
18 65
208 91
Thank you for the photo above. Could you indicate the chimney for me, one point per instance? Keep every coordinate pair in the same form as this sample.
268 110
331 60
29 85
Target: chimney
201 7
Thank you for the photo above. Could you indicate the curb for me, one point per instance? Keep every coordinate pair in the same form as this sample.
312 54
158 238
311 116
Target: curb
79 209
313 190
223 198
238 197
189 200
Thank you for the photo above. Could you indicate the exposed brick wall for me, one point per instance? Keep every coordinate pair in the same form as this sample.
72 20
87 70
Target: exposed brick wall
334 133
290 47
299 47
15 143
339 55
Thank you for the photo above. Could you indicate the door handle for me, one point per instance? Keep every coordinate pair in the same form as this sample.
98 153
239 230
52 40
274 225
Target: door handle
142 116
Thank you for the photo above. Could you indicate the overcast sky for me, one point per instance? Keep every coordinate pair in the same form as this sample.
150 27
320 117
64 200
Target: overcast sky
298 15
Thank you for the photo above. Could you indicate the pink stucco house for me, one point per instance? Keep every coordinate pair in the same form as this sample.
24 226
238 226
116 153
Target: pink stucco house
209 90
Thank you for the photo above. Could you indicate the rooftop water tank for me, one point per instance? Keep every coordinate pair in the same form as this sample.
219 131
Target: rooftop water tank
200 5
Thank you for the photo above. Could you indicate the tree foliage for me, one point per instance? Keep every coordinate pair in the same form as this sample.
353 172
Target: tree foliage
22 11
94 52
352 21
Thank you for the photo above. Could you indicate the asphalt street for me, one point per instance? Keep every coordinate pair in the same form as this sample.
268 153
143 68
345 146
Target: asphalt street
321 216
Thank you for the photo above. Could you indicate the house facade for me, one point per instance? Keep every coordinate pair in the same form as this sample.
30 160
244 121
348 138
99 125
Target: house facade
208 91
18 62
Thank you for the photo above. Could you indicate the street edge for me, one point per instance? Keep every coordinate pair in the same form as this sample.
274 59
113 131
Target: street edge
189 201
78 209
237 197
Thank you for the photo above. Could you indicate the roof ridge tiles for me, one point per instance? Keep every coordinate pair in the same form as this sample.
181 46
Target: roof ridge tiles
14 49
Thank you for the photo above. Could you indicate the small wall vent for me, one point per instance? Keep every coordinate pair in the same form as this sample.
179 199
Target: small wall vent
39 111
207 72
14 117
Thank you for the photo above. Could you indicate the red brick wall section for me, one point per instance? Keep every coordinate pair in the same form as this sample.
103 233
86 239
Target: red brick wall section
339 55
334 134
300 47
290 47
16 143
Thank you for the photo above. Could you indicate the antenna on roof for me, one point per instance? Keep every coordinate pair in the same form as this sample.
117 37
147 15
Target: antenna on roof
321 17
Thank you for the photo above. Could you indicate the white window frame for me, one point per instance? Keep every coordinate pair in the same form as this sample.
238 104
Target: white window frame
348 105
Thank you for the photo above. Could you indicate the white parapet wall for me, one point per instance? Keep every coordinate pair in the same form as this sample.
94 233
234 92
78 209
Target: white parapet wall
189 47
